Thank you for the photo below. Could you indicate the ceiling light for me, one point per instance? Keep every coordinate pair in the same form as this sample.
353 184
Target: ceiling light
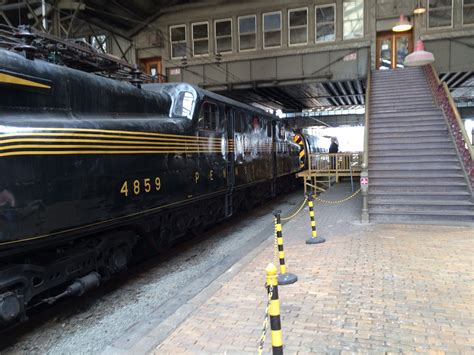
419 9
402 25
419 56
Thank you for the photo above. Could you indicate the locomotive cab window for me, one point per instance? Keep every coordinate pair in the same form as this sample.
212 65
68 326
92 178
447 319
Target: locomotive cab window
184 105
238 126
209 117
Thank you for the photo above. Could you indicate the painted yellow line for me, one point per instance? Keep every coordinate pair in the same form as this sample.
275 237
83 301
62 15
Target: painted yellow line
99 152
93 146
170 138
151 134
124 143
10 79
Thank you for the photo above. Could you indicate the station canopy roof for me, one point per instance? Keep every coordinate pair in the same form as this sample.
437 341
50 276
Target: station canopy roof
124 16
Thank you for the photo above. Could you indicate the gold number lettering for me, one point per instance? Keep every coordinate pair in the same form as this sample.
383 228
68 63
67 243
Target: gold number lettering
146 182
124 189
211 175
196 177
158 184
136 187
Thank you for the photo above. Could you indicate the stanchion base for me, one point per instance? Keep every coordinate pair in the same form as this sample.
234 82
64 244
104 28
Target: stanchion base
317 240
287 279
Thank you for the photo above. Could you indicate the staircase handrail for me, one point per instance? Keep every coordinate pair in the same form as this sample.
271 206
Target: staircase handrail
365 155
365 158
446 103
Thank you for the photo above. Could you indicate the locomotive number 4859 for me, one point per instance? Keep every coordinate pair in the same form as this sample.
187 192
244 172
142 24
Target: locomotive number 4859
138 187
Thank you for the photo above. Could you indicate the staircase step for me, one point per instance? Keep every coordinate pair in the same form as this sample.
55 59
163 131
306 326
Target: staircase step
412 136
375 147
447 159
402 77
399 181
390 90
408 153
374 172
420 218
402 102
380 123
424 206
405 140
433 165
418 188
415 113
396 109
422 130
404 120
392 195
418 98
402 106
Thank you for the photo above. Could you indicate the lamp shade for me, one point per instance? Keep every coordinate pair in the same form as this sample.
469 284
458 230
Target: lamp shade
419 56
402 25
419 9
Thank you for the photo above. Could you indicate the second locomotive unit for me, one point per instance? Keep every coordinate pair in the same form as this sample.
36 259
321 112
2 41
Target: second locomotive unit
95 171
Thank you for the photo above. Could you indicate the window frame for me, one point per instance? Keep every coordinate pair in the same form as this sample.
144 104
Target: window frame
200 39
438 27
255 33
280 30
300 26
185 41
363 21
316 7
462 9
216 128
226 36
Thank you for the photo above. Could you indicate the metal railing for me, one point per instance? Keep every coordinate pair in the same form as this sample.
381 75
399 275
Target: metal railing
337 164
329 166
365 158
456 127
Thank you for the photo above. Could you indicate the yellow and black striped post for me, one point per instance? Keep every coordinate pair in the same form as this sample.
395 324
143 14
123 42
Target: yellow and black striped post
298 139
274 310
285 278
314 239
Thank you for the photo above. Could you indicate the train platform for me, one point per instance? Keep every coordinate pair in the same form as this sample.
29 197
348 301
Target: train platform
367 289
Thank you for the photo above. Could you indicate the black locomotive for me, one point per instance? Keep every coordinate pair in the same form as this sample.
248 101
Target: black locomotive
94 171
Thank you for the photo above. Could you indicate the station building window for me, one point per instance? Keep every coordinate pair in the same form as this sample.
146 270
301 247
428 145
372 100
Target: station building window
325 23
440 13
200 33
178 41
298 26
247 32
209 117
223 35
353 18
272 29
468 12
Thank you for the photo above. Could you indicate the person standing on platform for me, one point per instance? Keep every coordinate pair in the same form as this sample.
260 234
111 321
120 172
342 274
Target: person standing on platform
333 149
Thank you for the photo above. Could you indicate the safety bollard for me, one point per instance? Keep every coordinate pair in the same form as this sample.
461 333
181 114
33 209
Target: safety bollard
274 310
314 239
285 278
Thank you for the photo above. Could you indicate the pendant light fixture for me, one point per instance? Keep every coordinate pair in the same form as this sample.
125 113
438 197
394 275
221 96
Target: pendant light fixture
402 25
419 9
419 56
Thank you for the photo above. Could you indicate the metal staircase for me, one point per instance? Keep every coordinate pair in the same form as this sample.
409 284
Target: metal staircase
416 175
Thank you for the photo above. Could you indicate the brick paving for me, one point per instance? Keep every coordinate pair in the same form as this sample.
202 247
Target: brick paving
368 289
